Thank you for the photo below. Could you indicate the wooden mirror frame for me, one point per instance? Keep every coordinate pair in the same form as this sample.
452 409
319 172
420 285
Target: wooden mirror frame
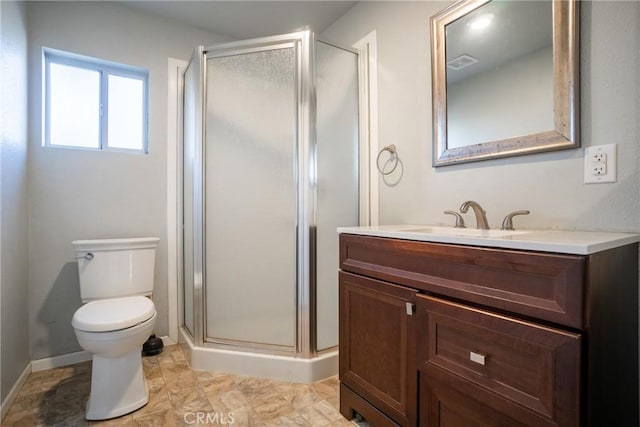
566 85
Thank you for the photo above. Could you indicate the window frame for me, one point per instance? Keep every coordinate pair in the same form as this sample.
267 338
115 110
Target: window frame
105 69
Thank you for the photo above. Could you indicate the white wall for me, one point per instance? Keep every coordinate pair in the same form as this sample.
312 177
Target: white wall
13 202
548 184
82 194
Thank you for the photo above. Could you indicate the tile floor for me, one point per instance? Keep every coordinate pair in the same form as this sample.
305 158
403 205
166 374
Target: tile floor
178 394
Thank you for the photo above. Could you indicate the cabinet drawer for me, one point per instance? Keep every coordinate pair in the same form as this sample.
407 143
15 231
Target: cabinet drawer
538 285
444 405
523 364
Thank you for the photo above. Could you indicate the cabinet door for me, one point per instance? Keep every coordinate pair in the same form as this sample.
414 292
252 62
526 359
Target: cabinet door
521 370
377 347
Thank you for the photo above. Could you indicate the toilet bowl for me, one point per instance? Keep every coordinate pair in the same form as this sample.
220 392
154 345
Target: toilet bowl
113 330
116 281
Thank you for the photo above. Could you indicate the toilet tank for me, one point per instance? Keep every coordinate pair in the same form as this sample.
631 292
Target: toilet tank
110 268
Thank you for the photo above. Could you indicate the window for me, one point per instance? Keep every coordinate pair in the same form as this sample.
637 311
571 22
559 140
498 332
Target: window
95 104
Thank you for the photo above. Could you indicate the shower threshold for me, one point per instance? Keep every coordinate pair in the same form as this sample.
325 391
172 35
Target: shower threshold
284 368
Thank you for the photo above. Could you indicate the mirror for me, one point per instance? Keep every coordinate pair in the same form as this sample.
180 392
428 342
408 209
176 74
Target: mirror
504 79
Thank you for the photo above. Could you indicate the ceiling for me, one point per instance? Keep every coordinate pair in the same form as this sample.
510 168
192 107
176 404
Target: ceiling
248 19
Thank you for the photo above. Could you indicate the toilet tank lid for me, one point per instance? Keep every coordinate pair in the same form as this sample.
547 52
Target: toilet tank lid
115 244
113 314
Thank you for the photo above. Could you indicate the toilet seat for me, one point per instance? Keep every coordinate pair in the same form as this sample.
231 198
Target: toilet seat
113 314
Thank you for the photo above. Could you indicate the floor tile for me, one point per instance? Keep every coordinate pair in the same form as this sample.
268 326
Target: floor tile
180 396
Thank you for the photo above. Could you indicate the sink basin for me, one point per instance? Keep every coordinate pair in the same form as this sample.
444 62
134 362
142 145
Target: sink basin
464 232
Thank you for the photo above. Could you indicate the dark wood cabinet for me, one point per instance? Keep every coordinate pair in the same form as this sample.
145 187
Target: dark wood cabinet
437 334
530 372
443 404
377 347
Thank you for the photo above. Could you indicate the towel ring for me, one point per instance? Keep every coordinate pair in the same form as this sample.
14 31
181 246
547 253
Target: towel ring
393 152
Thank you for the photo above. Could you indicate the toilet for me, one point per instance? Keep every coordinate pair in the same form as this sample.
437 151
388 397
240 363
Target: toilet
116 281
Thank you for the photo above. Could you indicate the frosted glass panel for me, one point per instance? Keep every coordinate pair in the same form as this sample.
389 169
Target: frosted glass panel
126 111
189 136
74 106
337 191
250 198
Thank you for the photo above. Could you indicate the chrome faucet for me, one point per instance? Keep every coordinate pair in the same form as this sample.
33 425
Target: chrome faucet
481 215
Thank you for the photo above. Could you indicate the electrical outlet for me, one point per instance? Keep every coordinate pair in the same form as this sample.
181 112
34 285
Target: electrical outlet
599 157
600 164
598 168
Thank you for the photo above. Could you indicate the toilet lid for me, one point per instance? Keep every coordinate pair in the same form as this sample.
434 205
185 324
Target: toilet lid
113 314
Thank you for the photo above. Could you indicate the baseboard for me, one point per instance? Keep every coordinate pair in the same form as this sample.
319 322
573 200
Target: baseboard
167 341
59 361
72 358
6 403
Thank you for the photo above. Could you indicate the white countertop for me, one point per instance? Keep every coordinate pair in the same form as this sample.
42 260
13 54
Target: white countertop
567 242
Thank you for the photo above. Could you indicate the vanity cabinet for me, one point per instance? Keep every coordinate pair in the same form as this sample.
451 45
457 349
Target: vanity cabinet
377 349
437 334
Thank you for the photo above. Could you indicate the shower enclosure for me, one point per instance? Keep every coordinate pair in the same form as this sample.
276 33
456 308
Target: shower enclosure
270 169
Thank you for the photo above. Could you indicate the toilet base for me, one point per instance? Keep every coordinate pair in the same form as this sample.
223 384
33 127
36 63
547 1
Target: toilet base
118 386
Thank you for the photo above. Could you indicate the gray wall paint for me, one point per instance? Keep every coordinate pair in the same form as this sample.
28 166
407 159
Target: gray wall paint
13 148
549 184
83 194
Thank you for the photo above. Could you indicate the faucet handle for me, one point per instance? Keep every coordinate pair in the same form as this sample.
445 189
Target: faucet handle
507 223
459 219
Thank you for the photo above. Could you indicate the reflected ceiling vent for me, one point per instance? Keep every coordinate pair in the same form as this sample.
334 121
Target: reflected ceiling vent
462 61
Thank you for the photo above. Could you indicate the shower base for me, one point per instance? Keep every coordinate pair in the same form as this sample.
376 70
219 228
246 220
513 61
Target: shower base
284 368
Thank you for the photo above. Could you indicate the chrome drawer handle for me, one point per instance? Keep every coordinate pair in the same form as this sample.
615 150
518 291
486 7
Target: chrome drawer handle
477 358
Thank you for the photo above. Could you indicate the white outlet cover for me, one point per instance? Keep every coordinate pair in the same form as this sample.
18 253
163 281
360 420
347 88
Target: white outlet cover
591 163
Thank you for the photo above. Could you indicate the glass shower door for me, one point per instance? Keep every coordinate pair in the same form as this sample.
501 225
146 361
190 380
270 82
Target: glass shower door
250 197
188 199
337 176
192 137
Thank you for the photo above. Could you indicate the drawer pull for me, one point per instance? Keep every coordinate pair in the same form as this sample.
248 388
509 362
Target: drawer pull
477 358
409 308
